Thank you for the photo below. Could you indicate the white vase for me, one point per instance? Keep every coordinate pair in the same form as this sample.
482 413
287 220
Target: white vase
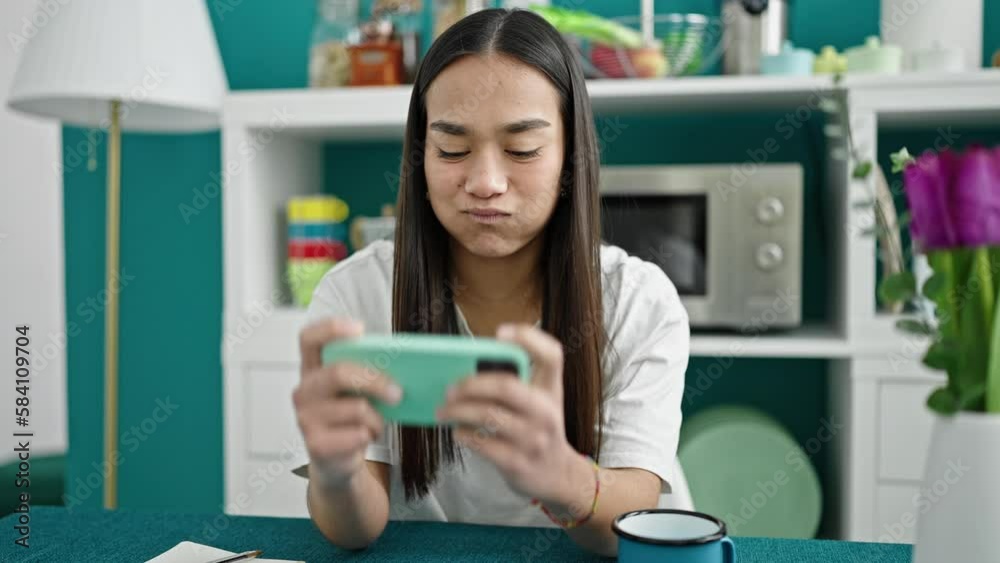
959 503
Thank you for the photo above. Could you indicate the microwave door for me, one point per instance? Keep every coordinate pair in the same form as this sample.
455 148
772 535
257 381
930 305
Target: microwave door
669 230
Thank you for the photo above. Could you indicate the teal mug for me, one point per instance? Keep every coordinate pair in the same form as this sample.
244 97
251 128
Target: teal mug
677 536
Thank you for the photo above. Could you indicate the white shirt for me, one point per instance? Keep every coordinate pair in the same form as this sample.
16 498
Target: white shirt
644 367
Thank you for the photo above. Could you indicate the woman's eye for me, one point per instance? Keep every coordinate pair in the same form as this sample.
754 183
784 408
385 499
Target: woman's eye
451 155
524 154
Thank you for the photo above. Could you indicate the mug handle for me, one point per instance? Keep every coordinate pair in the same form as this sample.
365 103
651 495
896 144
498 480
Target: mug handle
728 551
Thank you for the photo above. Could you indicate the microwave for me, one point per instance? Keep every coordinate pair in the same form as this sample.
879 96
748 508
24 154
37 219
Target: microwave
730 239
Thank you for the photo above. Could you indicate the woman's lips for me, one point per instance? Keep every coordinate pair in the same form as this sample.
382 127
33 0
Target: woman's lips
487 216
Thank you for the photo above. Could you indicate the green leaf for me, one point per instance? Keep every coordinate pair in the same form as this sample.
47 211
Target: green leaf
905 219
943 401
914 326
941 355
971 399
993 368
862 170
935 287
901 286
900 160
975 321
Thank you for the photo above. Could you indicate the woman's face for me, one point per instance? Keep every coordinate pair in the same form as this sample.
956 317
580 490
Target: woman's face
494 153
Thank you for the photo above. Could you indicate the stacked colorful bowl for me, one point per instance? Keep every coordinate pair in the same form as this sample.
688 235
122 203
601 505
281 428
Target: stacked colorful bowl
317 240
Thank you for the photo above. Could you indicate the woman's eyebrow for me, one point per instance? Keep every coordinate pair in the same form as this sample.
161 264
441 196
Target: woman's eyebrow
449 128
452 128
525 125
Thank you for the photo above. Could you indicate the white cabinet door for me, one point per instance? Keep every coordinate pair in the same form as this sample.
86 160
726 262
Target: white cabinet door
268 488
896 513
270 414
268 444
905 425
882 399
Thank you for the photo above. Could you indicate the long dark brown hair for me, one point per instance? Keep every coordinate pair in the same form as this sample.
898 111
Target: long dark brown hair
422 299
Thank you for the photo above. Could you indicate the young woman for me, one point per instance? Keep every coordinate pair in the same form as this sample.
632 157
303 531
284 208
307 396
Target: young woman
498 235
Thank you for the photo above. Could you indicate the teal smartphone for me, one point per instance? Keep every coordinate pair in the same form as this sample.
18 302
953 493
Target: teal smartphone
425 365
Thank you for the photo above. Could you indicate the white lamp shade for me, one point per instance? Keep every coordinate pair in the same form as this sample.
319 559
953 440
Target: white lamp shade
158 57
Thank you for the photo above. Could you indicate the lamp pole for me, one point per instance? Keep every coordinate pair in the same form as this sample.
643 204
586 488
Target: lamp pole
111 312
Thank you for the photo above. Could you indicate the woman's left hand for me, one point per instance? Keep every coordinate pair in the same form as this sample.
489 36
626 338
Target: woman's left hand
518 427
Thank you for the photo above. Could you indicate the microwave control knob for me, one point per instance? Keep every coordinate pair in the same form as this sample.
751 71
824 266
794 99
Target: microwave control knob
769 256
770 210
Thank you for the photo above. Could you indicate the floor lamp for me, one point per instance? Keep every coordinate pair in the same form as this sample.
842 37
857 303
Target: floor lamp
133 65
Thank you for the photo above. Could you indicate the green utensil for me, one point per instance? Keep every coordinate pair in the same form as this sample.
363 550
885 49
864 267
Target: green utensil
742 466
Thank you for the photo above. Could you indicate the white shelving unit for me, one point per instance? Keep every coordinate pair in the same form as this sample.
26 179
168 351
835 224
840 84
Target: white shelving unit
272 150
380 112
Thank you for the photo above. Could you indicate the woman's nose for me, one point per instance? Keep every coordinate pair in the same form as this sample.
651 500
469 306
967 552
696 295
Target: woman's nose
487 178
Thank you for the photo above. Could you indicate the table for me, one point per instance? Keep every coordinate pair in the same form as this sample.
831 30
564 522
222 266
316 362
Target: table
59 535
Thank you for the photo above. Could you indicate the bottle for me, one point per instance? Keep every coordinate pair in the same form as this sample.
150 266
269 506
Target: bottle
407 22
336 28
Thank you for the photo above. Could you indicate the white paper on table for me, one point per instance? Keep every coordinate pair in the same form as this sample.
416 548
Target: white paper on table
190 552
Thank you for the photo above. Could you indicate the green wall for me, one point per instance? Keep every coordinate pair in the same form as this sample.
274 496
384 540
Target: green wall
172 303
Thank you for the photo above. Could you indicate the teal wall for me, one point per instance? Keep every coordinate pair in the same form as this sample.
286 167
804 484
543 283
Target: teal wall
171 306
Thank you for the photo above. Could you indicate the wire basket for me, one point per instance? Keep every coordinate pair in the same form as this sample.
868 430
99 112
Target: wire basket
683 45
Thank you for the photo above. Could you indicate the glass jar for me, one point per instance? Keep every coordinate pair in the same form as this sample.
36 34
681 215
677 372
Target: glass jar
335 29
447 12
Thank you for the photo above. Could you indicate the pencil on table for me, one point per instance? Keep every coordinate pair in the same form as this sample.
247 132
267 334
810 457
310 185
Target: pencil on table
246 555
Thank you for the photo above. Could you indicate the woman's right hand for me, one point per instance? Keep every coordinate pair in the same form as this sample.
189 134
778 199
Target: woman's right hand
336 419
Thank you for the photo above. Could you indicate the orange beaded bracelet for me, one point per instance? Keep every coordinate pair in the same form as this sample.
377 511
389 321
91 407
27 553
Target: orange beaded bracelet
568 523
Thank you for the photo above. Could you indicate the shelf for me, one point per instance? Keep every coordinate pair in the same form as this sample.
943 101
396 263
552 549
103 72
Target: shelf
367 113
379 113
301 119
711 93
930 99
879 337
809 341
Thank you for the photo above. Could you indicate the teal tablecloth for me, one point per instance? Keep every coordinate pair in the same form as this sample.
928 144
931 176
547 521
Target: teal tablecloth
58 535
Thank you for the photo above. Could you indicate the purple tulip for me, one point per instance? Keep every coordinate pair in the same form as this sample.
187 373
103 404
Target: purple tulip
928 182
955 198
976 197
